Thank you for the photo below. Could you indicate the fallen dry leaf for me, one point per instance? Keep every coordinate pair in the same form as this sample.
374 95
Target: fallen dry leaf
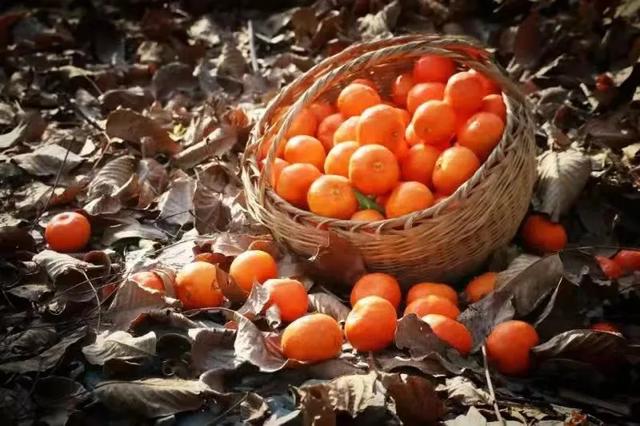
120 345
48 160
131 126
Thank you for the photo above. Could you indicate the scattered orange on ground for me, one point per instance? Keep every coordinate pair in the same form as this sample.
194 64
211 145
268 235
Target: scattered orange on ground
605 326
453 168
197 286
148 279
432 304
68 232
312 338
332 196
419 163
433 68
400 89
508 346
294 182
450 331
480 286
426 289
337 161
408 197
327 128
495 105
377 284
289 296
629 260
371 324
321 109
374 170
481 133
609 268
305 149
540 235
434 122
355 98
305 123
368 215
423 92
464 92
252 266
382 125
346 131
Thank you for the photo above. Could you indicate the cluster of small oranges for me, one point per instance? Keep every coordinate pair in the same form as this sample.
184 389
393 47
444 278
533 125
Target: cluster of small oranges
405 153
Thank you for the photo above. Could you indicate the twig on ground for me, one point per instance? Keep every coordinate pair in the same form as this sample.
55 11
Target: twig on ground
490 386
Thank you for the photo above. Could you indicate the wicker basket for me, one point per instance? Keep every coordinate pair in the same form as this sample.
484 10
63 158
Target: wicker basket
444 242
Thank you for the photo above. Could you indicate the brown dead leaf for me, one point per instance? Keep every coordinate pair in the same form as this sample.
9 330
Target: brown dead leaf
528 42
69 275
380 24
416 336
131 126
172 78
7 140
113 185
133 301
338 262
213 349
416 401
48 160
176 205
218 143
13 238
329 304
134 98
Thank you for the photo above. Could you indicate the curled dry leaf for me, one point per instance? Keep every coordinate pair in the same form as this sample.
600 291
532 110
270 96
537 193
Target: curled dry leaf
152 181
380 24
217 143
176 205
172 78
27 343
256 302
516 266
338 262
134 98
329 304
214 187
462 389
133 301
135 230
59 392
111 186
69 275
121 345
133 127
7 140
415 398
596 347
13 238
415 336
528 43
48 160
213 349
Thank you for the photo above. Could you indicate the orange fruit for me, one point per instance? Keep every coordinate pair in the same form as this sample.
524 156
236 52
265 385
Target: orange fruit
382 125
312 338
405 116
332 196
434 122
609 268
149 280
540 235
427 289
197 286
605 326
495 105
432 304
400 88
305 149
453 168
408 197
381 200
423 92
68 232
481 133
366 82
252 266
265 146
305 123
411 137
433 68
377 284
289 296
480 286
418 164
368 215
508 346
401 150
346 131
450 331
489 86
629 260
294 182
327 128
355 98
321 110
337 161
276 169
373 170
464 92
371 324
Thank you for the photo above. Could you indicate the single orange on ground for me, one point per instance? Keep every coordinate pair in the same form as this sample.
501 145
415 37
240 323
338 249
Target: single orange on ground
464 92
149 280
609 267
251 267
427 289
289 296
432 304
489 86
355 98
434 122
417 165
305 123
371 324
377 284
68 232
337 161
368 215
481 133
294 182
312 338
382 125
629 260
197 286
433 68
450 331
346 131
453 168
374 170
540 235
423 92
276 169
332 196
408 197
305 149
605 326
400 88
321 109
508 346
480 286
495 105
327 128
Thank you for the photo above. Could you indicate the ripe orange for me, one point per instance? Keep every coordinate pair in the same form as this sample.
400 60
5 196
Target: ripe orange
495 105
312 338
423 92
373 170
149 280
327 128
629 260
453 168
489 86
433 68
540 235
368 215
252 266
432 304
405 116
418 164
450 331
480 286
434 122
408 197
371 324
377 284
400 89
355 98
508 346
294 182
305 149
265 146
346 131
305 123
337 161
321 109
289 296
276 169
426 289
197 286
68 232
382 125
481 133
401 150
366 82
609 267
605 326
381 200
332 196
464 92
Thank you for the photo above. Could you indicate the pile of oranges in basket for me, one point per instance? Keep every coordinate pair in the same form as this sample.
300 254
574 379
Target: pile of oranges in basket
405 153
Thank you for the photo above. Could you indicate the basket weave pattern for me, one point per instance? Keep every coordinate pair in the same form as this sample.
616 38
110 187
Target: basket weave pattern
444 242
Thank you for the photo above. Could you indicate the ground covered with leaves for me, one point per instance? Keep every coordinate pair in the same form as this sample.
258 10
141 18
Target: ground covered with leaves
137 112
